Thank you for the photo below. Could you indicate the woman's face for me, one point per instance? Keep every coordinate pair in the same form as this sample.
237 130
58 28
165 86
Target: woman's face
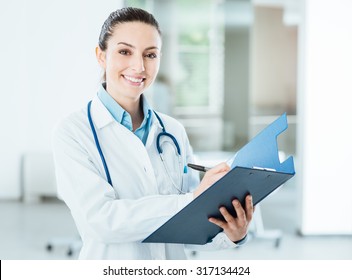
131 60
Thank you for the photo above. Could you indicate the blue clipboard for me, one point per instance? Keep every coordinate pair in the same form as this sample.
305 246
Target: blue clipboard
256 170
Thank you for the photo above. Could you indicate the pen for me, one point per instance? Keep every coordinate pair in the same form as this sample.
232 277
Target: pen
198 167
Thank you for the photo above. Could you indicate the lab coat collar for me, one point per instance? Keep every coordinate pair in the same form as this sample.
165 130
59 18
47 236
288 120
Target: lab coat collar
100 114
155 122
155 129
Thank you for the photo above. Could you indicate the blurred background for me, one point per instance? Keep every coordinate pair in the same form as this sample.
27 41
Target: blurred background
229 68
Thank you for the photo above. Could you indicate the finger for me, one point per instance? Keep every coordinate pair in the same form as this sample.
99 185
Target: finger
227 216
216 177
218 222
249 208
221 167
241 215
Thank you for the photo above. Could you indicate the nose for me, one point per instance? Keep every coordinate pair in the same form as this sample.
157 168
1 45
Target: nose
138 64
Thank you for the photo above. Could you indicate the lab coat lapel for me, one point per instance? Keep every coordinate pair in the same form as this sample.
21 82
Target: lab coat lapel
102 118
155 129
100 114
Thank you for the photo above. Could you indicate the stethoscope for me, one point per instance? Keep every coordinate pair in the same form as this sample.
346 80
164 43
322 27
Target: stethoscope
158 146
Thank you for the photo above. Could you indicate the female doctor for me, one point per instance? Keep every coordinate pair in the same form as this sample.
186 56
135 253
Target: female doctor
121 167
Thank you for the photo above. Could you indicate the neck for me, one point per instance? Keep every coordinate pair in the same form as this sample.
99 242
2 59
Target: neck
136 112
133 107
130 105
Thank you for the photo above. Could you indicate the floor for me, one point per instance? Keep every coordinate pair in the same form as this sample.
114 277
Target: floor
26 230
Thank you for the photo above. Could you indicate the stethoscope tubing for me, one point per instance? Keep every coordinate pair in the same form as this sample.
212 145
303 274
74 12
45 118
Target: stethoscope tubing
98 144
158 146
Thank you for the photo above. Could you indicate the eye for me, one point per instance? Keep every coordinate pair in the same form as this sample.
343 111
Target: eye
151 55
124 52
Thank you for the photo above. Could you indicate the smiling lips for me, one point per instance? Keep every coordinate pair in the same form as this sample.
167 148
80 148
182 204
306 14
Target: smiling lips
136 81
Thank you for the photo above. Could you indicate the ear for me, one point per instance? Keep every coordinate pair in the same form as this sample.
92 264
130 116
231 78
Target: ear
101 57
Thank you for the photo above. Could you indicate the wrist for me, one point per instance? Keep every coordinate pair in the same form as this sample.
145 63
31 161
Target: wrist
241 241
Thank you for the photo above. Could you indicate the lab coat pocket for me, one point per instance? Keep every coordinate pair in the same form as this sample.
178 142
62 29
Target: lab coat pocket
174 179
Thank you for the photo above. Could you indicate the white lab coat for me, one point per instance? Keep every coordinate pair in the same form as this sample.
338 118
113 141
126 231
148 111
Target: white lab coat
112 221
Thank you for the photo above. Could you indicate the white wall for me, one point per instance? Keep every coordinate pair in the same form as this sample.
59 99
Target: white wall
324 119
48 69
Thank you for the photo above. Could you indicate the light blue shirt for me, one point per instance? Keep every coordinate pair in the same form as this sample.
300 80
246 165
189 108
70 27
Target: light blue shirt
123 117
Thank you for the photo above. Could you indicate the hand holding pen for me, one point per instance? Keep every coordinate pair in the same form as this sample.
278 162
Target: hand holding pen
198 167
211 176
205 169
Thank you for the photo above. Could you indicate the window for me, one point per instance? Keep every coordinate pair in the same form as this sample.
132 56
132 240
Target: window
198 39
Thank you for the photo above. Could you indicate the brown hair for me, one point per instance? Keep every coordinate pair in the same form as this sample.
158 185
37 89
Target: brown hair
123 15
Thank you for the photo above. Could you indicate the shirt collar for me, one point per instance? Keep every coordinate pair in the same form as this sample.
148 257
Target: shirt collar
113 107
118 113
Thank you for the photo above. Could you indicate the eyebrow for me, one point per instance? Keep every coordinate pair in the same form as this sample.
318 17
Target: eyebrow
133 47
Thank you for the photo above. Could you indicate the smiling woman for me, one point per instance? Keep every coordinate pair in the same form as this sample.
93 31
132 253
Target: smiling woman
129 53
131 63
121 167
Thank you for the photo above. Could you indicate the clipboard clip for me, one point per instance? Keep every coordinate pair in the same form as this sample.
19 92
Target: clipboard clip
266 169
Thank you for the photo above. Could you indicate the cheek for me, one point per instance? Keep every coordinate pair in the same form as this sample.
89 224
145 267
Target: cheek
113 66
114 63
153 68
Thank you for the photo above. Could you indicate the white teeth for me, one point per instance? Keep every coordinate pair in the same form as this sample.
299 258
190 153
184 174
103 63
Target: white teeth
134 80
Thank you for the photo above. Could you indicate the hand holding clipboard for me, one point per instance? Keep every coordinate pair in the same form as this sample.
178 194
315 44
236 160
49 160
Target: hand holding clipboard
191 225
